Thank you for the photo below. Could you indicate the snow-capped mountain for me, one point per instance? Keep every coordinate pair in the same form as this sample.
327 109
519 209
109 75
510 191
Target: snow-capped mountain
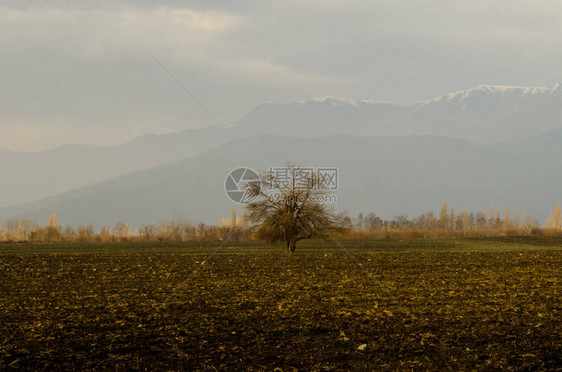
486 114
490 99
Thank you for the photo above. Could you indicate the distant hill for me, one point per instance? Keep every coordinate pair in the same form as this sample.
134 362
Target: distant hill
31 176
388 175
485 114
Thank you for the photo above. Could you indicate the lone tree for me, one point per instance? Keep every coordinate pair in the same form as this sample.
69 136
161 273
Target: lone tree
292 207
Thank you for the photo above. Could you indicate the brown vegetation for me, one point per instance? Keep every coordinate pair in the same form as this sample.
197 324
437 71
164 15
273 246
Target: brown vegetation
293 211
427 225
25 231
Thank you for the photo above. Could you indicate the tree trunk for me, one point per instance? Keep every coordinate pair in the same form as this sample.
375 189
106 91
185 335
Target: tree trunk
291 245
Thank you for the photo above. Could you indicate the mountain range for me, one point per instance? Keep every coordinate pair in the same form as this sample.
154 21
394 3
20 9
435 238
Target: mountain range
474 148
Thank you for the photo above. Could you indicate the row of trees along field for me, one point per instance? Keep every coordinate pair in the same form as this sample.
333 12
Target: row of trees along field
447 223
24 230
449 220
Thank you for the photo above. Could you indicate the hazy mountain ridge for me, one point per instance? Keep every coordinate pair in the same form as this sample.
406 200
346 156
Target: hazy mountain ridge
499 93
485 114
32 176
389 176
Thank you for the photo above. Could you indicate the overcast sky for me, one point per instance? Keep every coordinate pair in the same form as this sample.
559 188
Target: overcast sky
81 71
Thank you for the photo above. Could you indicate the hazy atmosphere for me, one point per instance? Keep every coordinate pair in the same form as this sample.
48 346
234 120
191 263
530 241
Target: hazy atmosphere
81 71
311 185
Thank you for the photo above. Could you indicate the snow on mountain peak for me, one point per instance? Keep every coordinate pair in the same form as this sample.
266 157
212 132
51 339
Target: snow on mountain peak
336 101
500 91
466 97
522 90
333 100
495 90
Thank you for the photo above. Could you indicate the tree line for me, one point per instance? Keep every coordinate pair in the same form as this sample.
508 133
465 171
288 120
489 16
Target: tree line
448 220
447 223
24 230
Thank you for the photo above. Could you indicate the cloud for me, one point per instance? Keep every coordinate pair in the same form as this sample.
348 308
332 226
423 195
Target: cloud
81 61
99 32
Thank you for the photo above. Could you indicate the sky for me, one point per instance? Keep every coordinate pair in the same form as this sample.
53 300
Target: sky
82 72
